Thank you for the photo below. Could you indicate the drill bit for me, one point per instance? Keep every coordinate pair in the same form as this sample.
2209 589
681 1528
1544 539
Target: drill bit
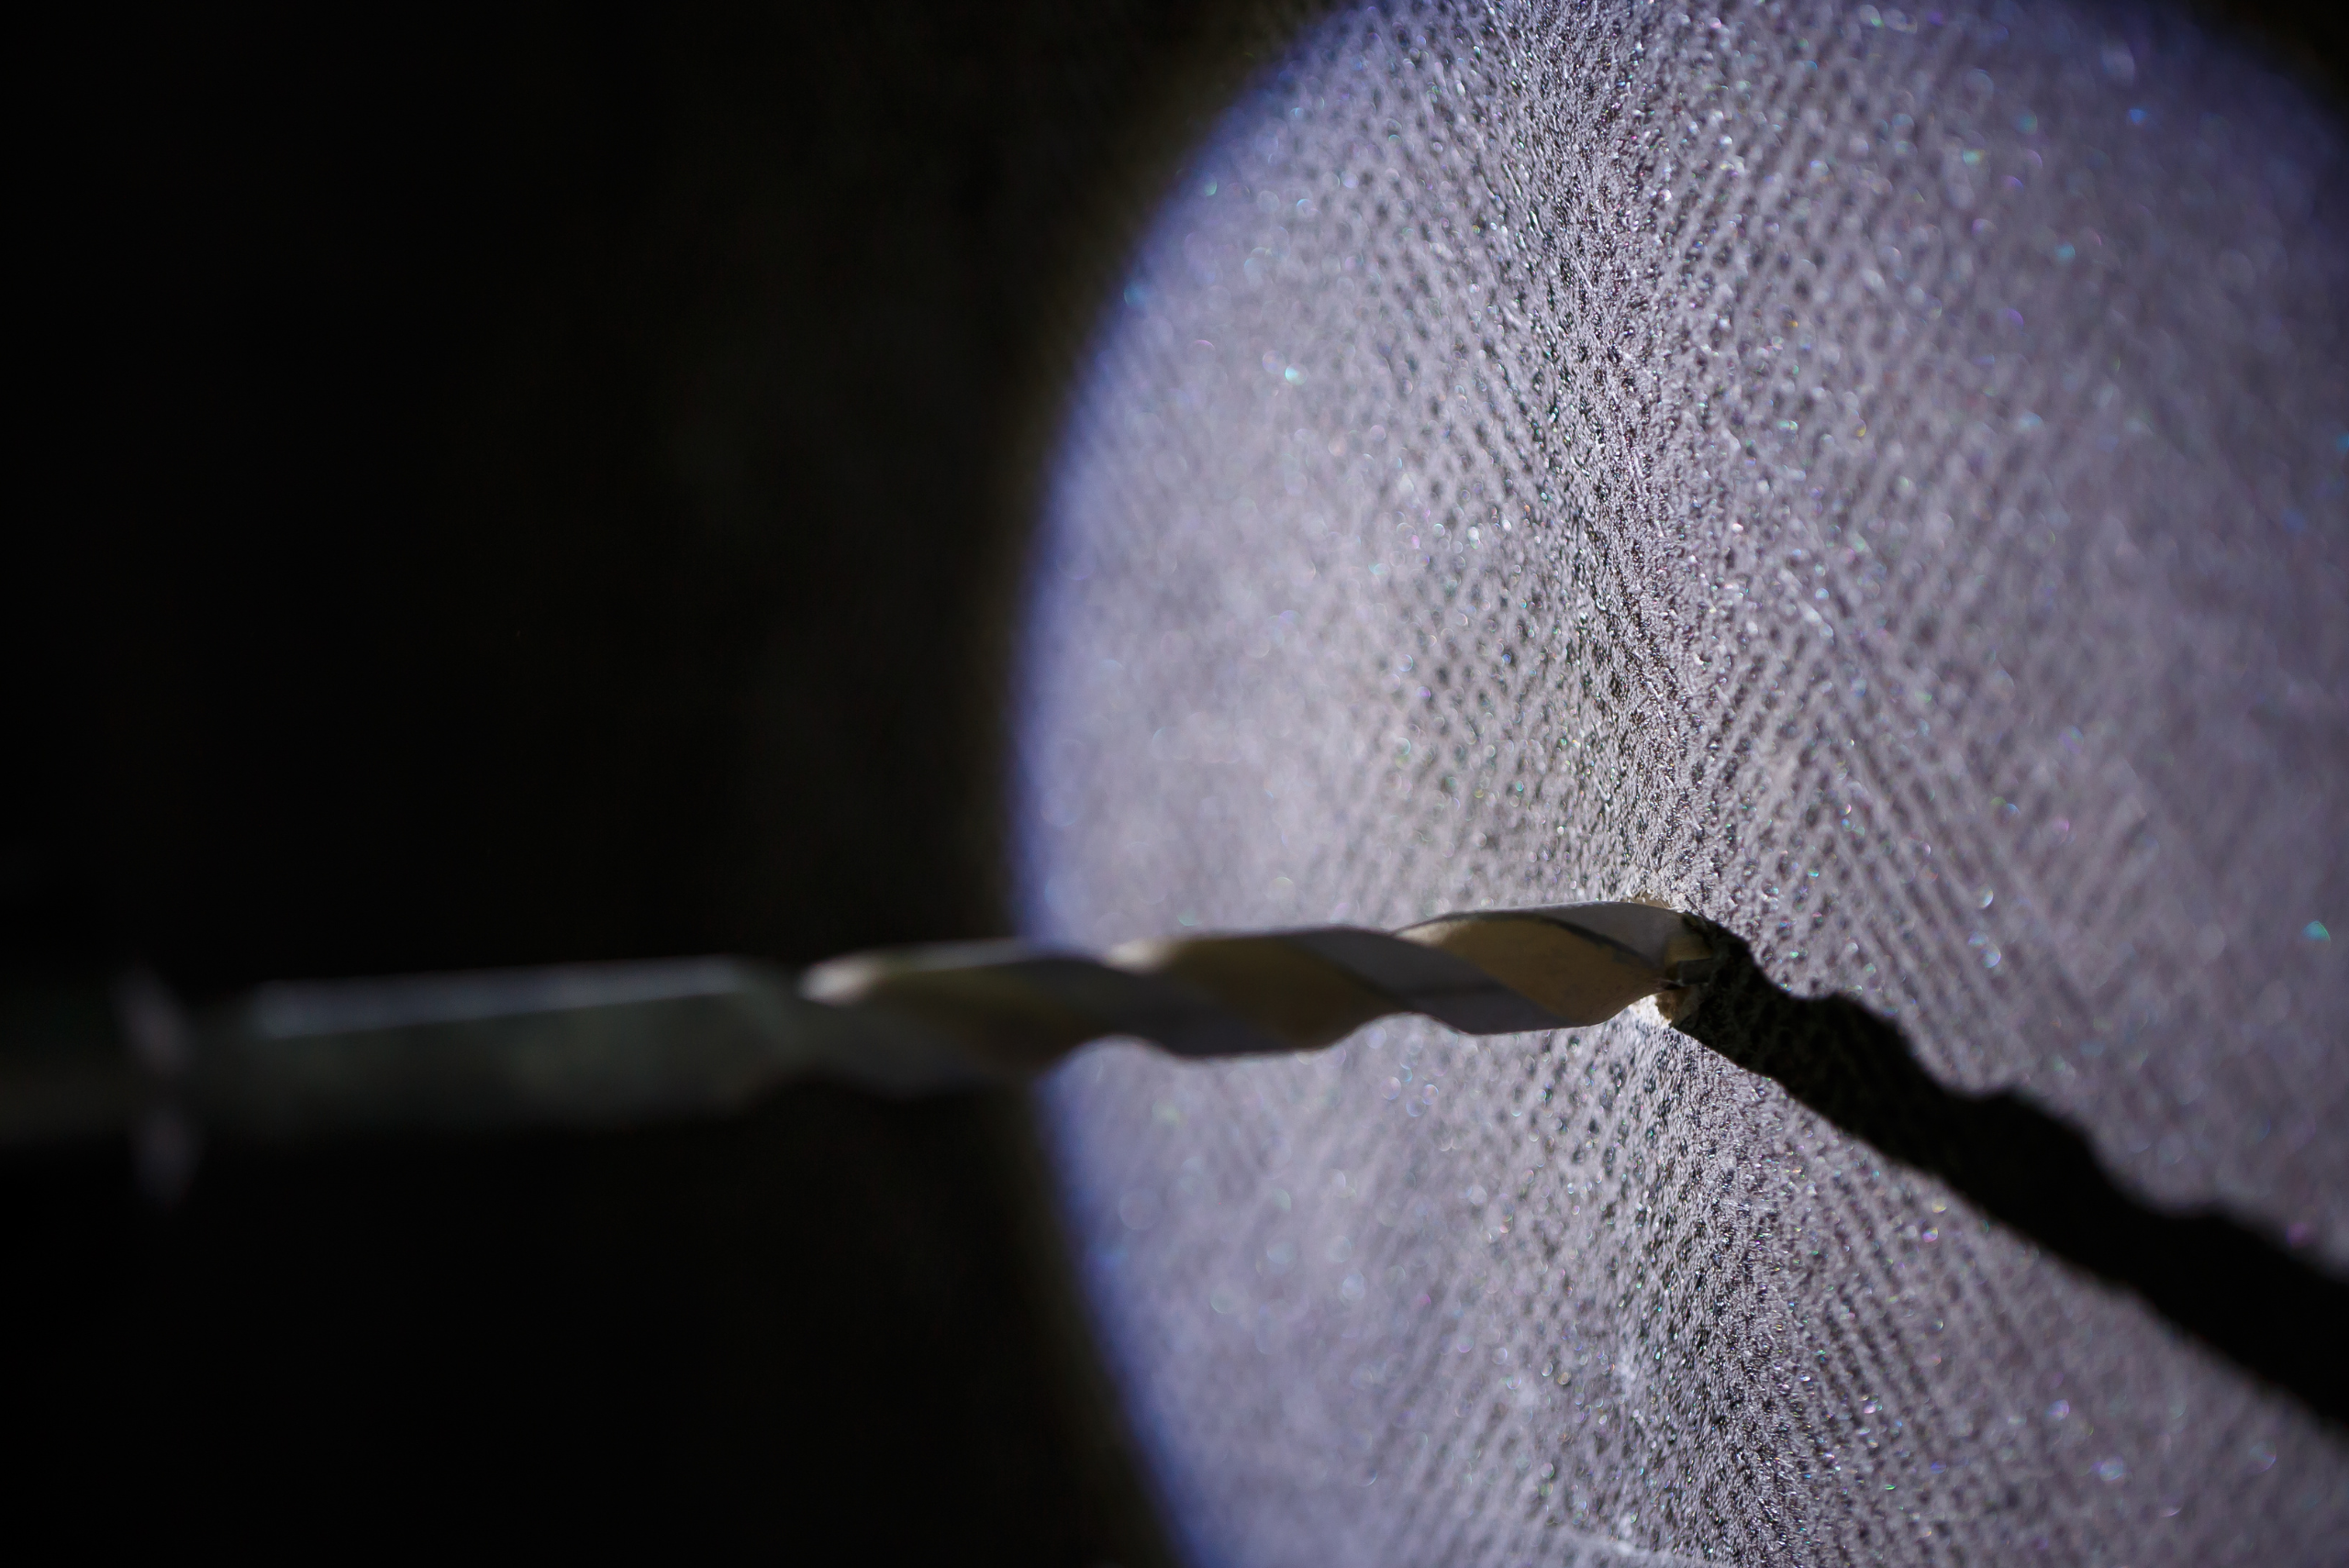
611 1044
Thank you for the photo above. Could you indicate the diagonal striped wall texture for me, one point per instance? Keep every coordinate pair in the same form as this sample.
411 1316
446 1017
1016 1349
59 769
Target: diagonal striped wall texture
1871 477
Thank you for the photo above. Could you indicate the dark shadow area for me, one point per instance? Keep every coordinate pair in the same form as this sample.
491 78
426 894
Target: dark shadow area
522 483
834 1330
2236 1290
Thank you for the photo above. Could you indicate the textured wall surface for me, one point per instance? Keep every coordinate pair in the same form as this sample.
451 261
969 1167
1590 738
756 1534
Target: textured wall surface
1874 478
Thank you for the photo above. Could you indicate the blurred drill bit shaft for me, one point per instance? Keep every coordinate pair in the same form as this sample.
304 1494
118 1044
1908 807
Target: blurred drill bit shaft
608 1044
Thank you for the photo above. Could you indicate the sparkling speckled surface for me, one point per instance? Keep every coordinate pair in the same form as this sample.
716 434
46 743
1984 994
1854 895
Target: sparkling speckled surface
1873 478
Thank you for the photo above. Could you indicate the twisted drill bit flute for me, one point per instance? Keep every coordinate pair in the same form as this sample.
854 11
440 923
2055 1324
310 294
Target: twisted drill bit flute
619 1043
610 1045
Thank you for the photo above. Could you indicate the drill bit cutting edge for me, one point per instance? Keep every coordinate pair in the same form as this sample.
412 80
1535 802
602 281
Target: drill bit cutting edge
613 1044
1013 1009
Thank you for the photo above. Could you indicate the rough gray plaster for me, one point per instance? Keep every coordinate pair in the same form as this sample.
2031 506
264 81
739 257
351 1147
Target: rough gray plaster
1873 478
